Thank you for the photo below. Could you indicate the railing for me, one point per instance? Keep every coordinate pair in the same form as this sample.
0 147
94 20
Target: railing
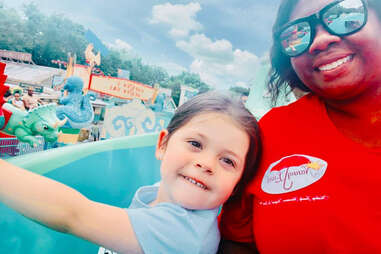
13 147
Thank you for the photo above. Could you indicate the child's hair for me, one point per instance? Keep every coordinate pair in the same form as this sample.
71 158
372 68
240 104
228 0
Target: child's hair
214 101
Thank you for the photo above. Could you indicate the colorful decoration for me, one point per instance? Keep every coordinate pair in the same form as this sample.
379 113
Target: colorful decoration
38 121
91 58
76 107
3 90
133 118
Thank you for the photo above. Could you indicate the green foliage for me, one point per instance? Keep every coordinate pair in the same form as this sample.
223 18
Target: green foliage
147 74
110 63
188 79
51 38
11 30
240 90
46 38
140 72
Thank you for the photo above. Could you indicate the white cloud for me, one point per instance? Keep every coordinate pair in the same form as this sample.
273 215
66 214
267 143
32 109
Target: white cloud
120 44
180 17
217 63
201 47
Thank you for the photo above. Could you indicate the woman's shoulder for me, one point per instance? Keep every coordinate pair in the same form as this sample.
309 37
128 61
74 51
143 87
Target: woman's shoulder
302 107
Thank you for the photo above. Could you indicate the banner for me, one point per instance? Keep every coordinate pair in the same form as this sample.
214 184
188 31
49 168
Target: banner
121 88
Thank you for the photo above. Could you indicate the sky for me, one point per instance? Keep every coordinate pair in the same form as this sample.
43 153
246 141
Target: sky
224 41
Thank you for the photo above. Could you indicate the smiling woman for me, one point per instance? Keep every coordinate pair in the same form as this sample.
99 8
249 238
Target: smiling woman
316 186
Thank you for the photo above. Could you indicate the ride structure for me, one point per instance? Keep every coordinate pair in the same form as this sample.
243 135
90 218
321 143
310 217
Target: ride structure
26 125
75 106
3 90
40 121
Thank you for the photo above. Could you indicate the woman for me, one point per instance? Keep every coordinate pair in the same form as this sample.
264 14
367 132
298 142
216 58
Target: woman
316 190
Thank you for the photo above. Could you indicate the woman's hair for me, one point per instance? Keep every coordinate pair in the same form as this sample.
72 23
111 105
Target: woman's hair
282 74
213 101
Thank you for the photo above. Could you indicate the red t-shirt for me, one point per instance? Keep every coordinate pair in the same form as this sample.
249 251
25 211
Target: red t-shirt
315 191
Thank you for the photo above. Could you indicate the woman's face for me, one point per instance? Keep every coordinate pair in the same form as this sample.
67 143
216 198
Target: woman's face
339 67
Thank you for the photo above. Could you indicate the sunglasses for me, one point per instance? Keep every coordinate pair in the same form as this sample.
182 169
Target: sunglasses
341 18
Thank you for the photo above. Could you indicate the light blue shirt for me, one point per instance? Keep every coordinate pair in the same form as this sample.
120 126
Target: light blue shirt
170 228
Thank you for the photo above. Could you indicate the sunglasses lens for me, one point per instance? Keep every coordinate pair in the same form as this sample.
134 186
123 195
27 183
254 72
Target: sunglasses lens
296 38
346 17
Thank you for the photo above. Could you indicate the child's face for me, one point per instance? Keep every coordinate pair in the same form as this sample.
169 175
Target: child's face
202 161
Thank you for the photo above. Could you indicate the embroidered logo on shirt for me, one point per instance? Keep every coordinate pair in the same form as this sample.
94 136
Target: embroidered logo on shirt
293 173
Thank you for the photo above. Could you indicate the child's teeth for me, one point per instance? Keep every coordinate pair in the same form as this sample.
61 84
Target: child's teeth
200 185
194 182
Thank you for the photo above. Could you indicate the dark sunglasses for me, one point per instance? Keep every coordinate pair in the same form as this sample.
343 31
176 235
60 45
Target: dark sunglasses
343 17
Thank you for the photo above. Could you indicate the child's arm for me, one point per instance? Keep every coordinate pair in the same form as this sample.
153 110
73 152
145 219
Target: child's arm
64 209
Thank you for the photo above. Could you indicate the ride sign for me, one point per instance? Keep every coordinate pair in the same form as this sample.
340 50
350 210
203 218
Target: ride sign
121 88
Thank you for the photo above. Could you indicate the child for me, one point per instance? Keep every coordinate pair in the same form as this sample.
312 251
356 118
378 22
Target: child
204 160
17 101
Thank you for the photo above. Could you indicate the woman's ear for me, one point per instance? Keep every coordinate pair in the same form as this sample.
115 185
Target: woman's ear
161 144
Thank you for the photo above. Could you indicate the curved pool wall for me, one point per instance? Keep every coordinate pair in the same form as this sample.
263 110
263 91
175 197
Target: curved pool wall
107 171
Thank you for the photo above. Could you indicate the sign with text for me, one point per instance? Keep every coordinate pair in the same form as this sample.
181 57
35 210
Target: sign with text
120 88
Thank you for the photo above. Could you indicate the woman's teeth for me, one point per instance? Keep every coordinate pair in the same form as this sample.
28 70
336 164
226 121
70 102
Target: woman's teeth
194 182
331 66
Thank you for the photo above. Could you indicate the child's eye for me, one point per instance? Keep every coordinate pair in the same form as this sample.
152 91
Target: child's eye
229 162
195 143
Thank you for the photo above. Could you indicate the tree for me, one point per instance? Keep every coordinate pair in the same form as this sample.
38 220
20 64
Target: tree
185 78
139 72
110 63
11 30
240 90
33 25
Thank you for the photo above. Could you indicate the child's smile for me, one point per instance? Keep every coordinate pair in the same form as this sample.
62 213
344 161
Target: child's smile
195 182
202 161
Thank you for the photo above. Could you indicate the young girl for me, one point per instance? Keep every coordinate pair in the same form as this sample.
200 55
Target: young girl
204 160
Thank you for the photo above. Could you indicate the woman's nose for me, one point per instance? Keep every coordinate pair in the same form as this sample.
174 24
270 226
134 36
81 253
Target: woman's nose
323 40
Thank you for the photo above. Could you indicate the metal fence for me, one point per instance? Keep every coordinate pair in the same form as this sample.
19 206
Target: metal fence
13 147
